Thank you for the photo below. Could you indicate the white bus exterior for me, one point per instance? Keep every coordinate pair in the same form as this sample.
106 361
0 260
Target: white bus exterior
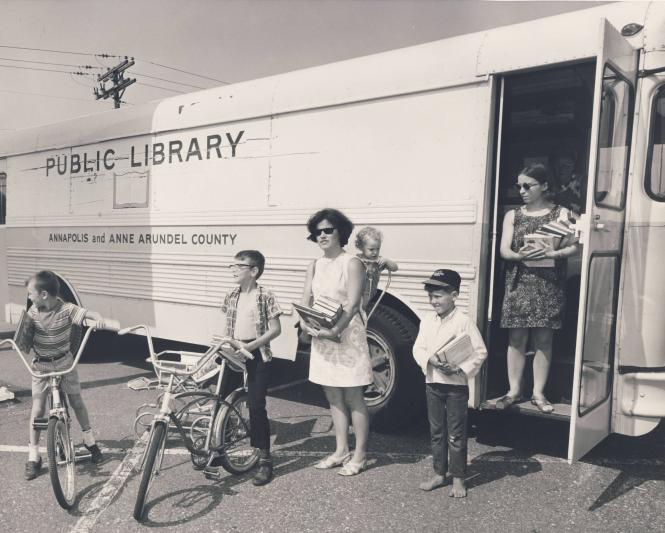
140 209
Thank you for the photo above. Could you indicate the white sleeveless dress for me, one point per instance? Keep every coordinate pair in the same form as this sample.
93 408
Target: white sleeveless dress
345 363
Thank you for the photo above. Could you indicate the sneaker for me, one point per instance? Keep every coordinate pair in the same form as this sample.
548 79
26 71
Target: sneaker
32 469
97 456
264 471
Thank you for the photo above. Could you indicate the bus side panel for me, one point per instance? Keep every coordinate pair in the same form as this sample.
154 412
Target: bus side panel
640 396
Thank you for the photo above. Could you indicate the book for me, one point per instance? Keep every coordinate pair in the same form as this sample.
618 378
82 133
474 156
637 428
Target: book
558 228
324 312
25 333
455 350
541 241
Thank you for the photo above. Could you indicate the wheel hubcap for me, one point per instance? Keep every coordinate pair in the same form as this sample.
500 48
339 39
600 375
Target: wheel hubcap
382 360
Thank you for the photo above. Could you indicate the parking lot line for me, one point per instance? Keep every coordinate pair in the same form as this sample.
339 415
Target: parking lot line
480 457
111 488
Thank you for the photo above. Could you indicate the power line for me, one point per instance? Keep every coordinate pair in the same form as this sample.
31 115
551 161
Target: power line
169 81
49 70
106 55
181 70
158 87
45 50
45 95
88 67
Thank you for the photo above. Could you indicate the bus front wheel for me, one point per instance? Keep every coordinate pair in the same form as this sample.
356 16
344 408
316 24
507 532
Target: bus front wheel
393 397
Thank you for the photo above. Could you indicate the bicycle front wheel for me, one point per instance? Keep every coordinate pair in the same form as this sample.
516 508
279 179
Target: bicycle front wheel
231 435
61 462
150 466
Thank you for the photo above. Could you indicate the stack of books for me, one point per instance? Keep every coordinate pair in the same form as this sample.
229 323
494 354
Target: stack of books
455 350
324 312
548 237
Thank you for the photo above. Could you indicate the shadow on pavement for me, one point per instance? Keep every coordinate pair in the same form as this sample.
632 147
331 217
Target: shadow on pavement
493 466
630 477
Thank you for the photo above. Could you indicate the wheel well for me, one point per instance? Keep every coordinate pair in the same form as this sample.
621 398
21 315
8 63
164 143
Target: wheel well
394 303
67 291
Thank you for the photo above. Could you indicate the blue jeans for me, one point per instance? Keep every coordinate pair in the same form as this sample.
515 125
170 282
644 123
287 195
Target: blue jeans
447 412
258 376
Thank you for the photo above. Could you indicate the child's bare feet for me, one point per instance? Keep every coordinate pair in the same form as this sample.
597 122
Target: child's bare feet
459 488
433 483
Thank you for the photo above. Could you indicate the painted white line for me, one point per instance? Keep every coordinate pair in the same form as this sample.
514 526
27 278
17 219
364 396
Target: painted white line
480 457
111 488
287 385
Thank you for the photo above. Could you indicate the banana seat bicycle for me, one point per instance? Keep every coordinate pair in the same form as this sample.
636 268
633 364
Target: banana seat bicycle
210 426
62 456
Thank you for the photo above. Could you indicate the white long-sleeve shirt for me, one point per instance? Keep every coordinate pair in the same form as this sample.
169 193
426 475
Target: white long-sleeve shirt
434 331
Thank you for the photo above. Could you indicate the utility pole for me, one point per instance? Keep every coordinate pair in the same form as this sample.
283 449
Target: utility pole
115 75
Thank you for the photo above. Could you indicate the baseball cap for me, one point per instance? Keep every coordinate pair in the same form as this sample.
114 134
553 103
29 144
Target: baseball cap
444 277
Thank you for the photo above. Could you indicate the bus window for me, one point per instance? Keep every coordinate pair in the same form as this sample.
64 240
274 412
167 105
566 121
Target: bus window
3 197
655 172
613 141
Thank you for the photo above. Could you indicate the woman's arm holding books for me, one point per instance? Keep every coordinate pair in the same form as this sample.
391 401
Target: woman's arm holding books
356 278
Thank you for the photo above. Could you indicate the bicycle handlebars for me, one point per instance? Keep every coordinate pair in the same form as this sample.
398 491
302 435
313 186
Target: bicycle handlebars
206 356
93 326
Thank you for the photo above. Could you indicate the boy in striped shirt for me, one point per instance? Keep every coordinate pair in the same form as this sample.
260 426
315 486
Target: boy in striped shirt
53 319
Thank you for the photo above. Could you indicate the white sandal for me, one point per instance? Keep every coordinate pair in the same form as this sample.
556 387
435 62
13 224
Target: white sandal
331 462
353 469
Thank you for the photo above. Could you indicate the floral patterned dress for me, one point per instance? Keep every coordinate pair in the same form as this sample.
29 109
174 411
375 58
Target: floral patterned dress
535 296
345 363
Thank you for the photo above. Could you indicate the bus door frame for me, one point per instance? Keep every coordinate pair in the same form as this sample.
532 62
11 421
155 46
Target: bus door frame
601 235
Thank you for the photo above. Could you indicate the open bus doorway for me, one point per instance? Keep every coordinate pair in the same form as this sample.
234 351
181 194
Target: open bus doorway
546 118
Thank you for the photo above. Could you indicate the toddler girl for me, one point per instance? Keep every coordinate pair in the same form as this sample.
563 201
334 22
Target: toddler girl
368 241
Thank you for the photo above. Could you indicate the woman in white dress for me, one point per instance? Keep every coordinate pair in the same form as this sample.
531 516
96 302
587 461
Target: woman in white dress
339 359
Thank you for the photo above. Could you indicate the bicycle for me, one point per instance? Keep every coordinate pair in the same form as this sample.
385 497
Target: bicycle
217 427
60 450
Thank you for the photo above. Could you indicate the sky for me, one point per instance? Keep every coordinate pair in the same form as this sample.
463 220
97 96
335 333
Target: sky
180 46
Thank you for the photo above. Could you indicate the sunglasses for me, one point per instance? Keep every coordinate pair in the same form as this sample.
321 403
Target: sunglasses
327 231
526 186
240 265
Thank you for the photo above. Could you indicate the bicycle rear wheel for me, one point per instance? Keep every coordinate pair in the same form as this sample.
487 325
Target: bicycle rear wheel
150 465
61 462
231 433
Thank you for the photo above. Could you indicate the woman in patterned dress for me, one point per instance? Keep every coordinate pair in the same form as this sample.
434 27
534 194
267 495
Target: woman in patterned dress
339 359
534 299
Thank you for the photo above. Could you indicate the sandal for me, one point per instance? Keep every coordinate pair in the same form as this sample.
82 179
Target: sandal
542 404
352 469
331 462
505 402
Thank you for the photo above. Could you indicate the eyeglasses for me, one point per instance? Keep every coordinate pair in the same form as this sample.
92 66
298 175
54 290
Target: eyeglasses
240 265
319 231
526 186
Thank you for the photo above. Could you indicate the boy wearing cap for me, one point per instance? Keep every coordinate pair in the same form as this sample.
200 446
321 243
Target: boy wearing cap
447 388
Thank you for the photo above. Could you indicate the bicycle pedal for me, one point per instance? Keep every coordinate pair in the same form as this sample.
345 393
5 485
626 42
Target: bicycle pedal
40 423
211 472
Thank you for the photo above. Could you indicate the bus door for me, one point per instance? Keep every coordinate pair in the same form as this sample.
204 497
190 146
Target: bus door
602 238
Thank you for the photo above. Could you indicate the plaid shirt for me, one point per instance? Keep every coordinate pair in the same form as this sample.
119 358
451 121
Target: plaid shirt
267 307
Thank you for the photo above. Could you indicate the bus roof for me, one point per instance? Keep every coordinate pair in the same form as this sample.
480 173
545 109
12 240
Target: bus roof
463 60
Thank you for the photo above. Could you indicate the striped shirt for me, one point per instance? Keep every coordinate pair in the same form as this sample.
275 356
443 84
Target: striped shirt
267 309
53 328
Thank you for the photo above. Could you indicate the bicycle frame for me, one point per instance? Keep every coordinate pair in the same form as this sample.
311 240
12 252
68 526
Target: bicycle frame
166 411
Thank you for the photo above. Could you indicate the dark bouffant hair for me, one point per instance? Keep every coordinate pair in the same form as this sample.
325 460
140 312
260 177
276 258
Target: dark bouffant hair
45 280
338 220
257 259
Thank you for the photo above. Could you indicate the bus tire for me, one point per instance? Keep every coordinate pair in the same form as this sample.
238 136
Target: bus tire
393 398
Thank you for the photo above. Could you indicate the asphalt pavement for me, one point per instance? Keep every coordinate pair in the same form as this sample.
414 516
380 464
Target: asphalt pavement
518 478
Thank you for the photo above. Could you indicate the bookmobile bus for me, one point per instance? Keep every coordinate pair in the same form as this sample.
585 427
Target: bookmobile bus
138 210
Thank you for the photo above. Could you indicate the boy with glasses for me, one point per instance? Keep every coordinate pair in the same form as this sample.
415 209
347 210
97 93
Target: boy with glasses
252 318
